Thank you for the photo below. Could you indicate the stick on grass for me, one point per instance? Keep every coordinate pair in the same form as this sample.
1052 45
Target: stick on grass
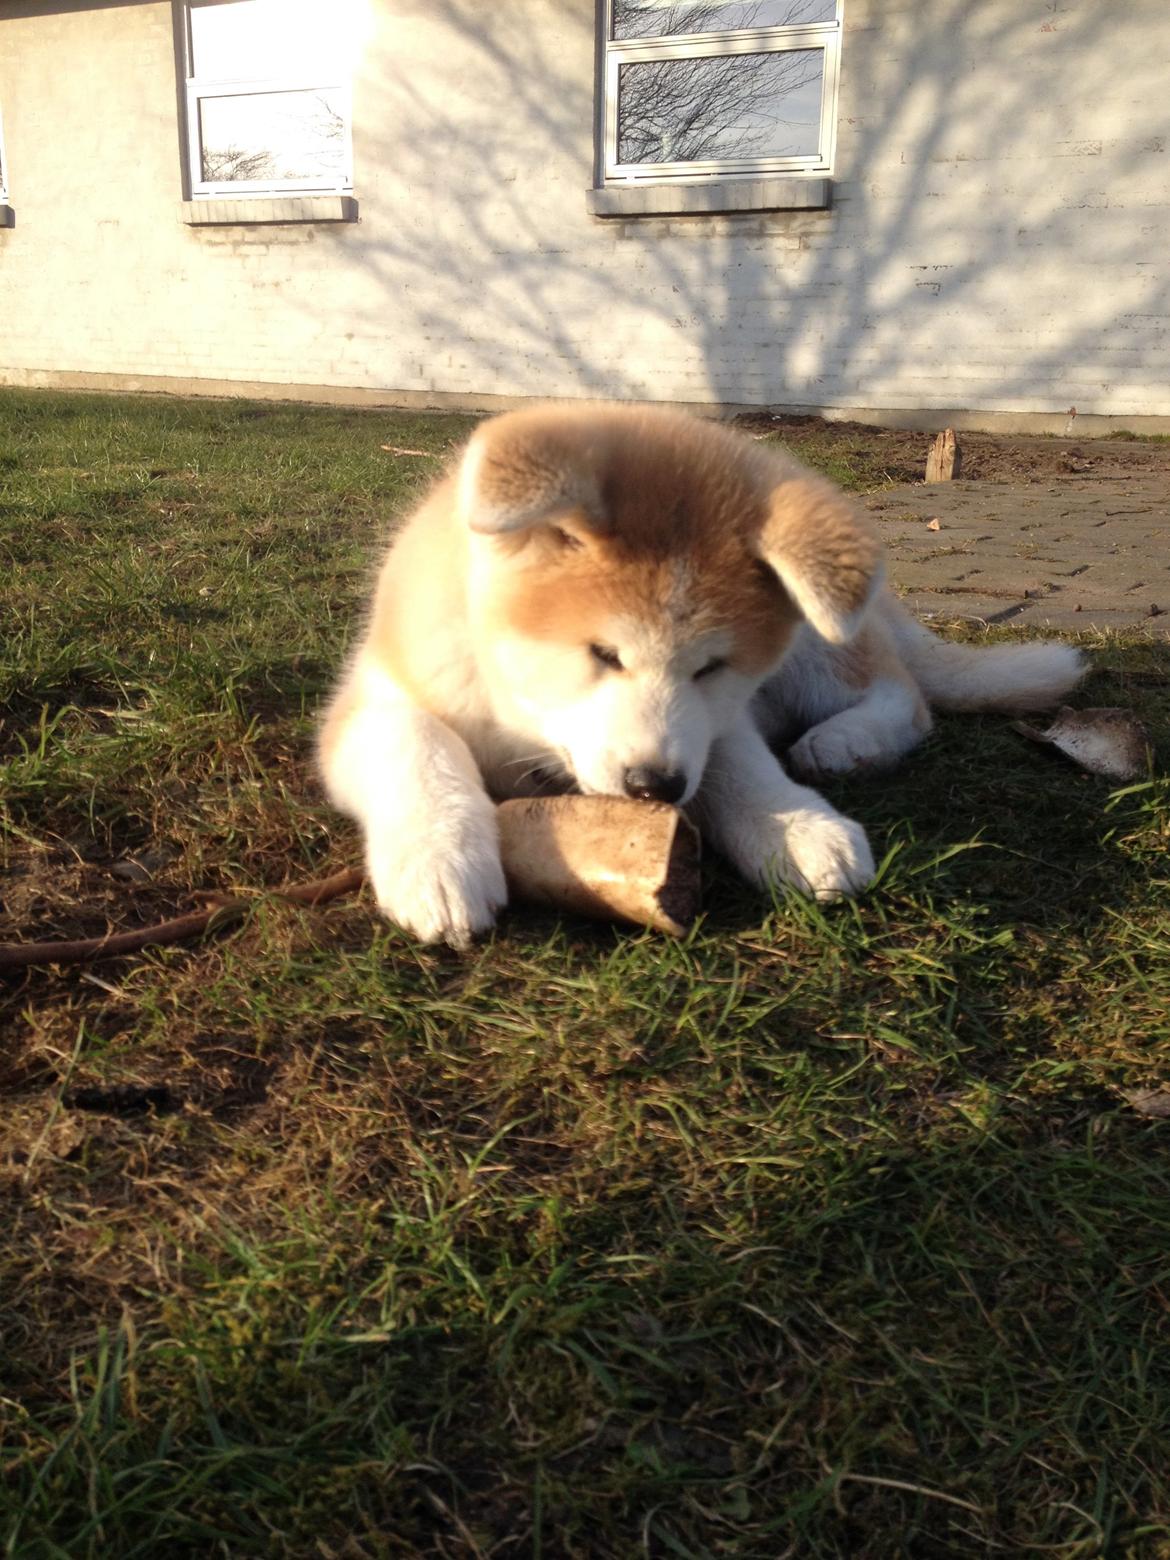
21 956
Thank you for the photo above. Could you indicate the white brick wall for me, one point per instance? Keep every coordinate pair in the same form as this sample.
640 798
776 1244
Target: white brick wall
997 244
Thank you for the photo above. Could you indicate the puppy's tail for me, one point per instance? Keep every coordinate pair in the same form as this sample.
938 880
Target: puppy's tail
993 677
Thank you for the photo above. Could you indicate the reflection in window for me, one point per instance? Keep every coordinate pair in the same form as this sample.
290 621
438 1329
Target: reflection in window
702 88
731 106
664 18
273 137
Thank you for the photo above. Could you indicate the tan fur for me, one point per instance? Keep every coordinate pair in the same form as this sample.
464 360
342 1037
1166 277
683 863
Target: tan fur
566 593
601 593
418 628
679 495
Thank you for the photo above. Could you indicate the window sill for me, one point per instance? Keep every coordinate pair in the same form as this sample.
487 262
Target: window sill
718 195
241 210
7 216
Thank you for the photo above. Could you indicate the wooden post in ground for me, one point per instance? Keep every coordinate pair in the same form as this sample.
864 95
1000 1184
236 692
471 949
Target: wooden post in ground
942 463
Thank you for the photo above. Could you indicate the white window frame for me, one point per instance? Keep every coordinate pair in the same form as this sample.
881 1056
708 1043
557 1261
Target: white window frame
199 88
765 40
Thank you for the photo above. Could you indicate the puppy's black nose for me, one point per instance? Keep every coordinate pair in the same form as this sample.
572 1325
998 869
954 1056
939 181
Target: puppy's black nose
652 785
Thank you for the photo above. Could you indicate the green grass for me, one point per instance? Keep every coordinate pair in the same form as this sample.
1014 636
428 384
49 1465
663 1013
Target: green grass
827 1232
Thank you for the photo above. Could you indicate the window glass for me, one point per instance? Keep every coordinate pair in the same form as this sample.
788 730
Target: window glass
250 40
267 136
721 107
268 94
667 18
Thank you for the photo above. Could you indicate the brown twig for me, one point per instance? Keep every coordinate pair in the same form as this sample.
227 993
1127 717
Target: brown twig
20 956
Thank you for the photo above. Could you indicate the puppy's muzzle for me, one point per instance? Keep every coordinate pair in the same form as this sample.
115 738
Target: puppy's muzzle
654 785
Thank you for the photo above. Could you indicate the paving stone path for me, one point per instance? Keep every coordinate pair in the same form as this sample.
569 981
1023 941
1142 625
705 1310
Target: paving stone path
1077 553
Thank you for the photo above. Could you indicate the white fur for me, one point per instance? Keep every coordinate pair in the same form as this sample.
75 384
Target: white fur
844 727
885 723
653 713
432 846
774 829
993 677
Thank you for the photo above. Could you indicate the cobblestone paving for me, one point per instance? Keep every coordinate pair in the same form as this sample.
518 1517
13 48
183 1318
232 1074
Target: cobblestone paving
1076 553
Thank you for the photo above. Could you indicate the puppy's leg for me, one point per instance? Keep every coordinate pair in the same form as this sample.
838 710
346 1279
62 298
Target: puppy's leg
888 720
432 844
772 828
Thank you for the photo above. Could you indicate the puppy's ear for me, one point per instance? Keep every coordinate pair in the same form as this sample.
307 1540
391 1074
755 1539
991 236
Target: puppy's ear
824 551
522 470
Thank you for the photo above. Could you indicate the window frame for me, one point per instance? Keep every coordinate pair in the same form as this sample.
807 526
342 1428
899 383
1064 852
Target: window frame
197 88
614 53
3 164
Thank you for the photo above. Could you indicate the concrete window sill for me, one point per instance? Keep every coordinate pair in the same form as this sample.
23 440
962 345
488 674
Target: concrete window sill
246 210
7 216
719 195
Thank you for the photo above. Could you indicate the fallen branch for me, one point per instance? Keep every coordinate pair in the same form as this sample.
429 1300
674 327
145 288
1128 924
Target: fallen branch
21 956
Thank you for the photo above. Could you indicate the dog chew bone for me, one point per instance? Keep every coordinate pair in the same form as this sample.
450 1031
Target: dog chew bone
603 856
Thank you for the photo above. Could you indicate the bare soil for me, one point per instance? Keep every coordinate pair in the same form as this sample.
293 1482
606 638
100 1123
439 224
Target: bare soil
986 457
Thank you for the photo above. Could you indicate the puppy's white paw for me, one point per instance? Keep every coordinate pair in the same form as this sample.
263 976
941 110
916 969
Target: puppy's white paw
838 749
823 854
828 855
439 889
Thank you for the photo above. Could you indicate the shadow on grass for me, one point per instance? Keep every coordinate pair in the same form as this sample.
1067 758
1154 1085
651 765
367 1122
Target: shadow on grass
932 1351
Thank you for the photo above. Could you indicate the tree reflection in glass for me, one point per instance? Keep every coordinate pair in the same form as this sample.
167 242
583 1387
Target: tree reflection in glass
272 136
669 18
720 107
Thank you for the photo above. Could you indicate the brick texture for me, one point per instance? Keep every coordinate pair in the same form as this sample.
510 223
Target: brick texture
997 240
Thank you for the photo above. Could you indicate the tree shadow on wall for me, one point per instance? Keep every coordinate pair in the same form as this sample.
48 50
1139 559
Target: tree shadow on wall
486 275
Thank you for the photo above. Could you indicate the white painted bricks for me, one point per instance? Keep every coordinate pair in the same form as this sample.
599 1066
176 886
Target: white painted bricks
1000 216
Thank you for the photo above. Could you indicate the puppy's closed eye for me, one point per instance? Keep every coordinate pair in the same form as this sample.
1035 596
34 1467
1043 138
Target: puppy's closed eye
712 666
607 657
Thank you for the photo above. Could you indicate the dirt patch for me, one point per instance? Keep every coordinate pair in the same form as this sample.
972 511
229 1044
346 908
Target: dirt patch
56 892
987 457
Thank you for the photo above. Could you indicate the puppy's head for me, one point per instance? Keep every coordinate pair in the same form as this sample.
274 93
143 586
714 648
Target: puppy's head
635 577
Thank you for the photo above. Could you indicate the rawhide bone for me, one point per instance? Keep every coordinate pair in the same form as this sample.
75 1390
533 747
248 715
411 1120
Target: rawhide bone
601 856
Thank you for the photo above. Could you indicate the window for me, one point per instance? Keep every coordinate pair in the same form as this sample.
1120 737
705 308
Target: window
268 96
698 89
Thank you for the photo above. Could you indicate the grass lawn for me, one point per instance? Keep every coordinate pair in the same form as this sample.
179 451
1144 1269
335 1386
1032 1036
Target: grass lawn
827 1232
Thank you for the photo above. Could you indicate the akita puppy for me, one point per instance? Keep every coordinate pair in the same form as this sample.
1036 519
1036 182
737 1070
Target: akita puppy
635 602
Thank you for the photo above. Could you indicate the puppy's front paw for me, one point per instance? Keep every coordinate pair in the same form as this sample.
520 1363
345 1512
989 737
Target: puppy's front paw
823 854
828 856
837 749
439 890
